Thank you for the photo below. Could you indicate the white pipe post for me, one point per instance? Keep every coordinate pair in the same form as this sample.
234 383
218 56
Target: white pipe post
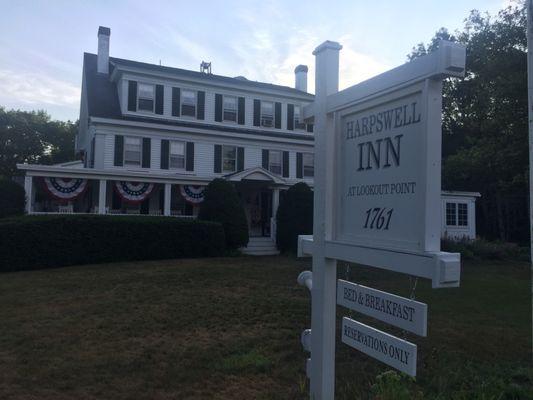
102 196
530 117
167 199
323 293
28 187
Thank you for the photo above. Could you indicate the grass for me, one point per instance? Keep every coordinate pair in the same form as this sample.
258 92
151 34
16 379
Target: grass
229 328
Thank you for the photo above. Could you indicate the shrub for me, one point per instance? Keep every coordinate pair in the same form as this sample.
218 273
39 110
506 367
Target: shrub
222 204
12 198
34 242
294 217
485 250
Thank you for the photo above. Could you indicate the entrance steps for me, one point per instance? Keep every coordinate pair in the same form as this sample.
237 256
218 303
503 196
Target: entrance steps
260 246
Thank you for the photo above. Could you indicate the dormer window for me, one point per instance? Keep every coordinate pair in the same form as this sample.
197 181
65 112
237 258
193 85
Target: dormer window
145 97
188 103
230 108
298 120
267 114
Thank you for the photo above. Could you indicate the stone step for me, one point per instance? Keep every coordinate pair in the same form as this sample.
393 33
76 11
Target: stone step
267 252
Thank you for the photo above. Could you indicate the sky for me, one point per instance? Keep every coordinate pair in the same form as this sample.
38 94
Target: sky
42 42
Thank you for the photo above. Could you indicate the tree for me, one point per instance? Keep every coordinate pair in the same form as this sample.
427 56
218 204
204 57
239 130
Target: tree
222 204
12 198
294 216
485 120
32 137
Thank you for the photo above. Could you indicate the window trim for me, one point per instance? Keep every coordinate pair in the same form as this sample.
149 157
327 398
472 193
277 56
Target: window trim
261 114
195 103
224 96
140 152
184 155
456 214
222 158
139 97
280 162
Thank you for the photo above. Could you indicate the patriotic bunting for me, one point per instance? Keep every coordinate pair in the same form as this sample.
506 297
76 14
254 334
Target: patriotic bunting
193 194
134 192
65 188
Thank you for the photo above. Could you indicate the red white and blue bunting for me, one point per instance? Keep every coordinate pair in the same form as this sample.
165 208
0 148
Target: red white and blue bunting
134 192
193 194
65 188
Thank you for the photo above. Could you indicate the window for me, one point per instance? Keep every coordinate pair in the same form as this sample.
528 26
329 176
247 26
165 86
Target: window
177 155
145 97
308 161
229 158
267 114
456 214
230 108
462 214
132 151
298 120
188 103
274 162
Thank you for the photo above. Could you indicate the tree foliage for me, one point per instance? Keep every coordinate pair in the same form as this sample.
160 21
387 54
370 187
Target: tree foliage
294 216
485 134
222 204
33 137
12 198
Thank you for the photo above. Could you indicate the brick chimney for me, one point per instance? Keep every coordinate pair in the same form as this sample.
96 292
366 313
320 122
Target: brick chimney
300 78
103 50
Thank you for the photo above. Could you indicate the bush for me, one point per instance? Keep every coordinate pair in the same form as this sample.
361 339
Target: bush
485 250
34 242
294 217
12 198
222 204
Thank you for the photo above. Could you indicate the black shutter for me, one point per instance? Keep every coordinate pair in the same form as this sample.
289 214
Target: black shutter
159 96
265 159
299 165
285 171
257 112
176 102
218 107
165 149
200 102
147 152
240 158
277 115
189 157
218 159
290 117
309 127
240 111
119 151
132 96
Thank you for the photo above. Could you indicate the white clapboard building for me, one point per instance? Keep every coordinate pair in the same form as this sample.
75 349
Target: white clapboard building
151 138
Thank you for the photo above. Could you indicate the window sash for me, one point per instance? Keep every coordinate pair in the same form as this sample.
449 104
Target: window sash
230 108
176 155
132 151
145 97
462 214
298 123
229 158
308 160
267 113
274 162
451 214
188 103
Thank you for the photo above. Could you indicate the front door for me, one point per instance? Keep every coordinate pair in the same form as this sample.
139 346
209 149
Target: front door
258 209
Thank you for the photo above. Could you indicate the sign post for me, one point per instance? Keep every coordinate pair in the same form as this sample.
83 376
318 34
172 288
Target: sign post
376 202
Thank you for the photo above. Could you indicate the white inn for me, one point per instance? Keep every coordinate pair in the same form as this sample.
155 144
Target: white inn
151 138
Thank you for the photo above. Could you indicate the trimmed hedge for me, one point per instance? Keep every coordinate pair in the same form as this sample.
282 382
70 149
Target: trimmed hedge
222 204
35 242
12 198
294 216
481 249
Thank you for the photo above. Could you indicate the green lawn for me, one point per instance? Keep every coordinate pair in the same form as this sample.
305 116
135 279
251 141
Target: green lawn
229 328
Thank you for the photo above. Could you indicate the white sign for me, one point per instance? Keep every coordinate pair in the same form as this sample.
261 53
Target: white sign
382 171
395 310
386 348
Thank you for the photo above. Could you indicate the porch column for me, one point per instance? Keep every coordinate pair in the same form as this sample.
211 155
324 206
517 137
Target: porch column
28 187
275 204
102 196
166 204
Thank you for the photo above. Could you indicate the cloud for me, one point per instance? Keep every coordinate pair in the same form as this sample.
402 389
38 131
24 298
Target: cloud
36 89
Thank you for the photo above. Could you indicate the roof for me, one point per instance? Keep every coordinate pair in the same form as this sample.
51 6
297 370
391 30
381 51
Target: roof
103 102
460 193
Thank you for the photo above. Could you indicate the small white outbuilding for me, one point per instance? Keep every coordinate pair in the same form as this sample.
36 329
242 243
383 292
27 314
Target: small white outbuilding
459 214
